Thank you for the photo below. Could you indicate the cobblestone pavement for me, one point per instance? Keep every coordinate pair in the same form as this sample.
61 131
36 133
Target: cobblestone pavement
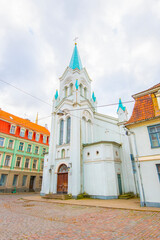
21 219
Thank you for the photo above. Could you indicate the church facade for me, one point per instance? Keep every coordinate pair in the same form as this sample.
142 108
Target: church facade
88 152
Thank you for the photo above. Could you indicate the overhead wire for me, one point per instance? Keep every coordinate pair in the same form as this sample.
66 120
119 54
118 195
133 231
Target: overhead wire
37 98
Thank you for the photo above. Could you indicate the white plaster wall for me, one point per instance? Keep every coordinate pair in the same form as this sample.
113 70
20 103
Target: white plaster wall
99 170
151 181
46 176
105 130
143 141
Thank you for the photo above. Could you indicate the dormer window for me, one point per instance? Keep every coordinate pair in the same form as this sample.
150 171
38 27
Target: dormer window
30 134
13 129
22 132
44 138
37 137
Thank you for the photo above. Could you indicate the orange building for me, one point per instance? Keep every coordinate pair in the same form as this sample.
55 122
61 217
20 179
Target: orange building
22 147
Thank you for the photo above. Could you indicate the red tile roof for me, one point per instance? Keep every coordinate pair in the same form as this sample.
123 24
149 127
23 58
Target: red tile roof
143 109
145 106
23 122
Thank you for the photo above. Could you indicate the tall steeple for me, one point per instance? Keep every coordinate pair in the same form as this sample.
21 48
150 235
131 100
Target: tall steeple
75 60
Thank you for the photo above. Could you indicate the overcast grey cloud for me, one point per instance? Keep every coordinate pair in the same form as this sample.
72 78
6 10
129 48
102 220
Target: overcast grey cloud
118 44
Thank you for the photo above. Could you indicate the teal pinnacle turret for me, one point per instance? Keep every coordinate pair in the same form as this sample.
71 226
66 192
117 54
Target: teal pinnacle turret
121 105
75 60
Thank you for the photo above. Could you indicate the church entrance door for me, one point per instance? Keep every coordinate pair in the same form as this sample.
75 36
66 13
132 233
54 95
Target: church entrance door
62 179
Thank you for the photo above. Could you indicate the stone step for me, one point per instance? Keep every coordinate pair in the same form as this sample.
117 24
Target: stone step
126 196
57 196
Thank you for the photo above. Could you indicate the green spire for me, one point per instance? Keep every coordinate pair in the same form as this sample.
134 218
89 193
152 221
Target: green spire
75 60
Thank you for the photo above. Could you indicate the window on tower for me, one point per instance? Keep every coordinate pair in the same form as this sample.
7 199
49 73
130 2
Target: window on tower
81 89
71 89
85 92
61 132
68 130
66 91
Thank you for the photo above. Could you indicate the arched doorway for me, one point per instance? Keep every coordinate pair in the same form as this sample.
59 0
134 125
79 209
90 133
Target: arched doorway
62 179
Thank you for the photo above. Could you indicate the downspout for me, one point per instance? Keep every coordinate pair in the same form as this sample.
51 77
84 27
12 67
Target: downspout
139 170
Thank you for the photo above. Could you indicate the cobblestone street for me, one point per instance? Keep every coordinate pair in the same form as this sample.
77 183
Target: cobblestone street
21 219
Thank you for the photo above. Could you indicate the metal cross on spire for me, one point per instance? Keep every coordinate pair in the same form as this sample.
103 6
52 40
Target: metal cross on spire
75 39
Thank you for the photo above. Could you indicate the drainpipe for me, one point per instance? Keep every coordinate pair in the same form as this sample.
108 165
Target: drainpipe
139 169
140 181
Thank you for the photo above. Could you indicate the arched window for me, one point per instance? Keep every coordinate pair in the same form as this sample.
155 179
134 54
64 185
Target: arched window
63 168
66 91
81 89
71 89
85 92
61 132
63 153
68 130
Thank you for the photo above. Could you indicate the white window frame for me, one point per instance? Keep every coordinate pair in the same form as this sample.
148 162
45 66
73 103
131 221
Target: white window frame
11 131
31 148
44 139
3 142
20 162
23 130
12 144
43 152
9 160
35 150
37 137
28 163
30 132
33 163
19 146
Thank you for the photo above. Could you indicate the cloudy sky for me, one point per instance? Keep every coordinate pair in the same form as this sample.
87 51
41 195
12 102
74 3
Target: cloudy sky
119 44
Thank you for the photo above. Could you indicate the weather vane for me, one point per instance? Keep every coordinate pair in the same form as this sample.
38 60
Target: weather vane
75 39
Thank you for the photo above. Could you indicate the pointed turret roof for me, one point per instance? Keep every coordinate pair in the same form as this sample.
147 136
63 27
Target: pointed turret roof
121 105
75 60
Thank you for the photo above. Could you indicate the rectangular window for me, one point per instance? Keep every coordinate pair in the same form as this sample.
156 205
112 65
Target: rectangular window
1 141
18 162
34 163
10 144
29 148
61 132
7 160
13 129
30 134
158 170
22 132
3 179
24 180
154 133
44 139
21 145
36 149
43 150
26 163
15 178
37 137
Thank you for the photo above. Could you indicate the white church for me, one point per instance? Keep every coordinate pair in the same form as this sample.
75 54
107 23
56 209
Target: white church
89 151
